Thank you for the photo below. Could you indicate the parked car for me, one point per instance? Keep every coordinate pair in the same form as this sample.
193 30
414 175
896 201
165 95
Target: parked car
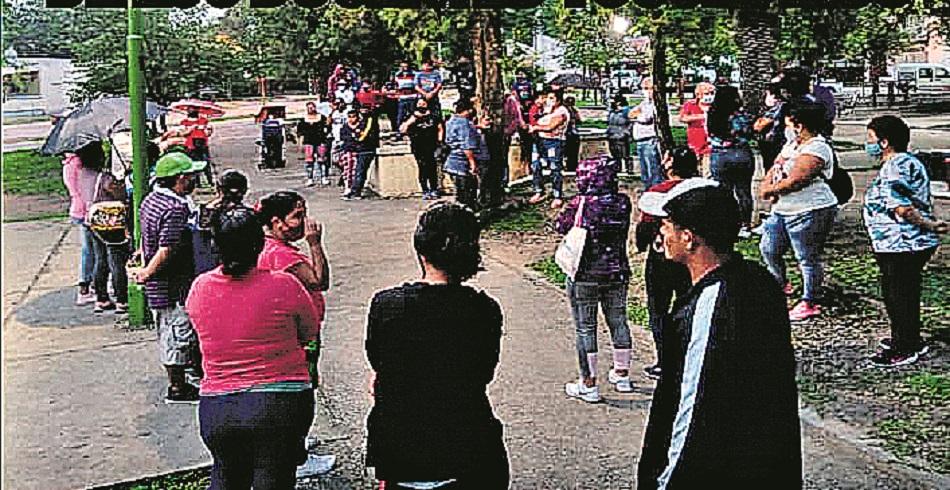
922 77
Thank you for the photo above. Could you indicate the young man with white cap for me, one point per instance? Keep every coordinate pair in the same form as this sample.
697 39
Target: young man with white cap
725 411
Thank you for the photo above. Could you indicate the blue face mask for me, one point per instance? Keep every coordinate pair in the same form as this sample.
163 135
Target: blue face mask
874 149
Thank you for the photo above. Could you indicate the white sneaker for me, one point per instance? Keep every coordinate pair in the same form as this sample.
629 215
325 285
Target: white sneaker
579 390
326 181
85 299
745 233
621 383
309 182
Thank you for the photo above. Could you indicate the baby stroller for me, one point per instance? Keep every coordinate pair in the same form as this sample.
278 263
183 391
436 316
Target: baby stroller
272 137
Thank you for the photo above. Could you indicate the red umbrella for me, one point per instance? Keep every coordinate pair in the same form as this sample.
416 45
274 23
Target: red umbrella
204 107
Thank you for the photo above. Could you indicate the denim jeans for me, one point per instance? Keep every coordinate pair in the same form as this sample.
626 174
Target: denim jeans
648 152
733 168
255 438
87 254
551 150
584 298
806 233
363 161
111 260
404 110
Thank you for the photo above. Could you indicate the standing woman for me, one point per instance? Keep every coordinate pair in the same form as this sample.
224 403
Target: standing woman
602 277
899 216
664 278
256 402
731 161
425 132
314 132
552 131
693 113
434 344
619 128
804 206
80 171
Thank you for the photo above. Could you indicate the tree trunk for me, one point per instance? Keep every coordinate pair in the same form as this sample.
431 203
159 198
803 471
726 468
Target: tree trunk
757 37
490 90
658 68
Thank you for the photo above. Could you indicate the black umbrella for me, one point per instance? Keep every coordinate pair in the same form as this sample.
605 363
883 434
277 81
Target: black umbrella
94 121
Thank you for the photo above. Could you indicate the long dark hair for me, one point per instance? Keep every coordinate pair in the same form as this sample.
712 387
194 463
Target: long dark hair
725 104
448 237
239 238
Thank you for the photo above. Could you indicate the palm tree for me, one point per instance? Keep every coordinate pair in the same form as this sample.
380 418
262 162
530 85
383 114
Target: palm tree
757 39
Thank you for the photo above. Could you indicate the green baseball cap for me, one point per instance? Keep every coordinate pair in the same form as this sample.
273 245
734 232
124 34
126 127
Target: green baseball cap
177 163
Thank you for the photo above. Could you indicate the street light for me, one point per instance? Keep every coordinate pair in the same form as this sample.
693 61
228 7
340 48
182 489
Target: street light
620 24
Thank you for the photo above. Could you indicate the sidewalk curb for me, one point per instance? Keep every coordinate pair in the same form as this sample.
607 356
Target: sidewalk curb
39 272
142 479
910 466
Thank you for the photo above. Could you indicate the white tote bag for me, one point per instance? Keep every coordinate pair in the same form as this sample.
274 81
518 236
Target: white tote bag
568 255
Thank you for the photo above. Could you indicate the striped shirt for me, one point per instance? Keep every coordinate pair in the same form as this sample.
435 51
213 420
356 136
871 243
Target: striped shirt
164 218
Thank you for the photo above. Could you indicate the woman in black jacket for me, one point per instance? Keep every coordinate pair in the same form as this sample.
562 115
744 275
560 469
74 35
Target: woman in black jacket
434 345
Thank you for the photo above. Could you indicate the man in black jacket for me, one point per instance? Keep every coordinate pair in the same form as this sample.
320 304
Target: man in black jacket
725 411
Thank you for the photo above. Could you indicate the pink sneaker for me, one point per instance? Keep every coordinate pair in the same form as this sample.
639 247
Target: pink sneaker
788 289
536 198
803 311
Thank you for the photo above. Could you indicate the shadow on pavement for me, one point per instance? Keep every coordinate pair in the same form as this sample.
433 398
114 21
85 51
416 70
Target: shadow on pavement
56 309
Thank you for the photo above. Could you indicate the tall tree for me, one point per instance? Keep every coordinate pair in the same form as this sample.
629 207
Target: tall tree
757 37
487 46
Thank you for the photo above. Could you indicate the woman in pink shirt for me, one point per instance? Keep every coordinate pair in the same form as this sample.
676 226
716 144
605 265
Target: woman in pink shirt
80 171
256 402
284 216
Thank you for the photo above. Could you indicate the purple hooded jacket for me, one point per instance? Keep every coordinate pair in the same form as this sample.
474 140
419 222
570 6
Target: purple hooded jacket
606 218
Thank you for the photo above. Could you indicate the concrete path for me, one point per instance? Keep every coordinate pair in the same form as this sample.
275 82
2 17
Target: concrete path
83 399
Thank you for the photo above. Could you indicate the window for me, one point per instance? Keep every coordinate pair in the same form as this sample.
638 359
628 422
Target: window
943 74
22 83
926 74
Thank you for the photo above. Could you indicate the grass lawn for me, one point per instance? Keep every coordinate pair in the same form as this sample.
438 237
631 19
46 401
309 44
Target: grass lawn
26 172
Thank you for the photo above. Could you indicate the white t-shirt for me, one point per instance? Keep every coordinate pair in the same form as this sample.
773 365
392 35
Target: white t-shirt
817 194
338 119
643 126
561 132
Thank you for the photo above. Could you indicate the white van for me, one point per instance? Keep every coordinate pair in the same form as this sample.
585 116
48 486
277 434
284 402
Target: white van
925 77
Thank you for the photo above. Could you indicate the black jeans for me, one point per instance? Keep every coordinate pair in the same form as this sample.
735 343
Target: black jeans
900 286
620 153
425 159
663 279
256 439
466 190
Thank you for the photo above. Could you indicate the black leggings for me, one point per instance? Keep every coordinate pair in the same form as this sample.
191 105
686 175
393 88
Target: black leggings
900 286
425 159
256 438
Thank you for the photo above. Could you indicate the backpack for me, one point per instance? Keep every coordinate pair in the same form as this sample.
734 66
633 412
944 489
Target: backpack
840 182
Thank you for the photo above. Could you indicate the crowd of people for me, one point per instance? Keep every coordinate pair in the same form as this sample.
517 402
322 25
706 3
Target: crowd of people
238 306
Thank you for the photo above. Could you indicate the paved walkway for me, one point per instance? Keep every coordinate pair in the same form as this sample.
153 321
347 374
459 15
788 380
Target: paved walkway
83 399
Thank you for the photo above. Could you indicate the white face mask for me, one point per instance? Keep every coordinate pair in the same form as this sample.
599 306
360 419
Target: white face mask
708 98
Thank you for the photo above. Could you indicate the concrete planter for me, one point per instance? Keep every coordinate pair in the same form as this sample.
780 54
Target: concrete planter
394 172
